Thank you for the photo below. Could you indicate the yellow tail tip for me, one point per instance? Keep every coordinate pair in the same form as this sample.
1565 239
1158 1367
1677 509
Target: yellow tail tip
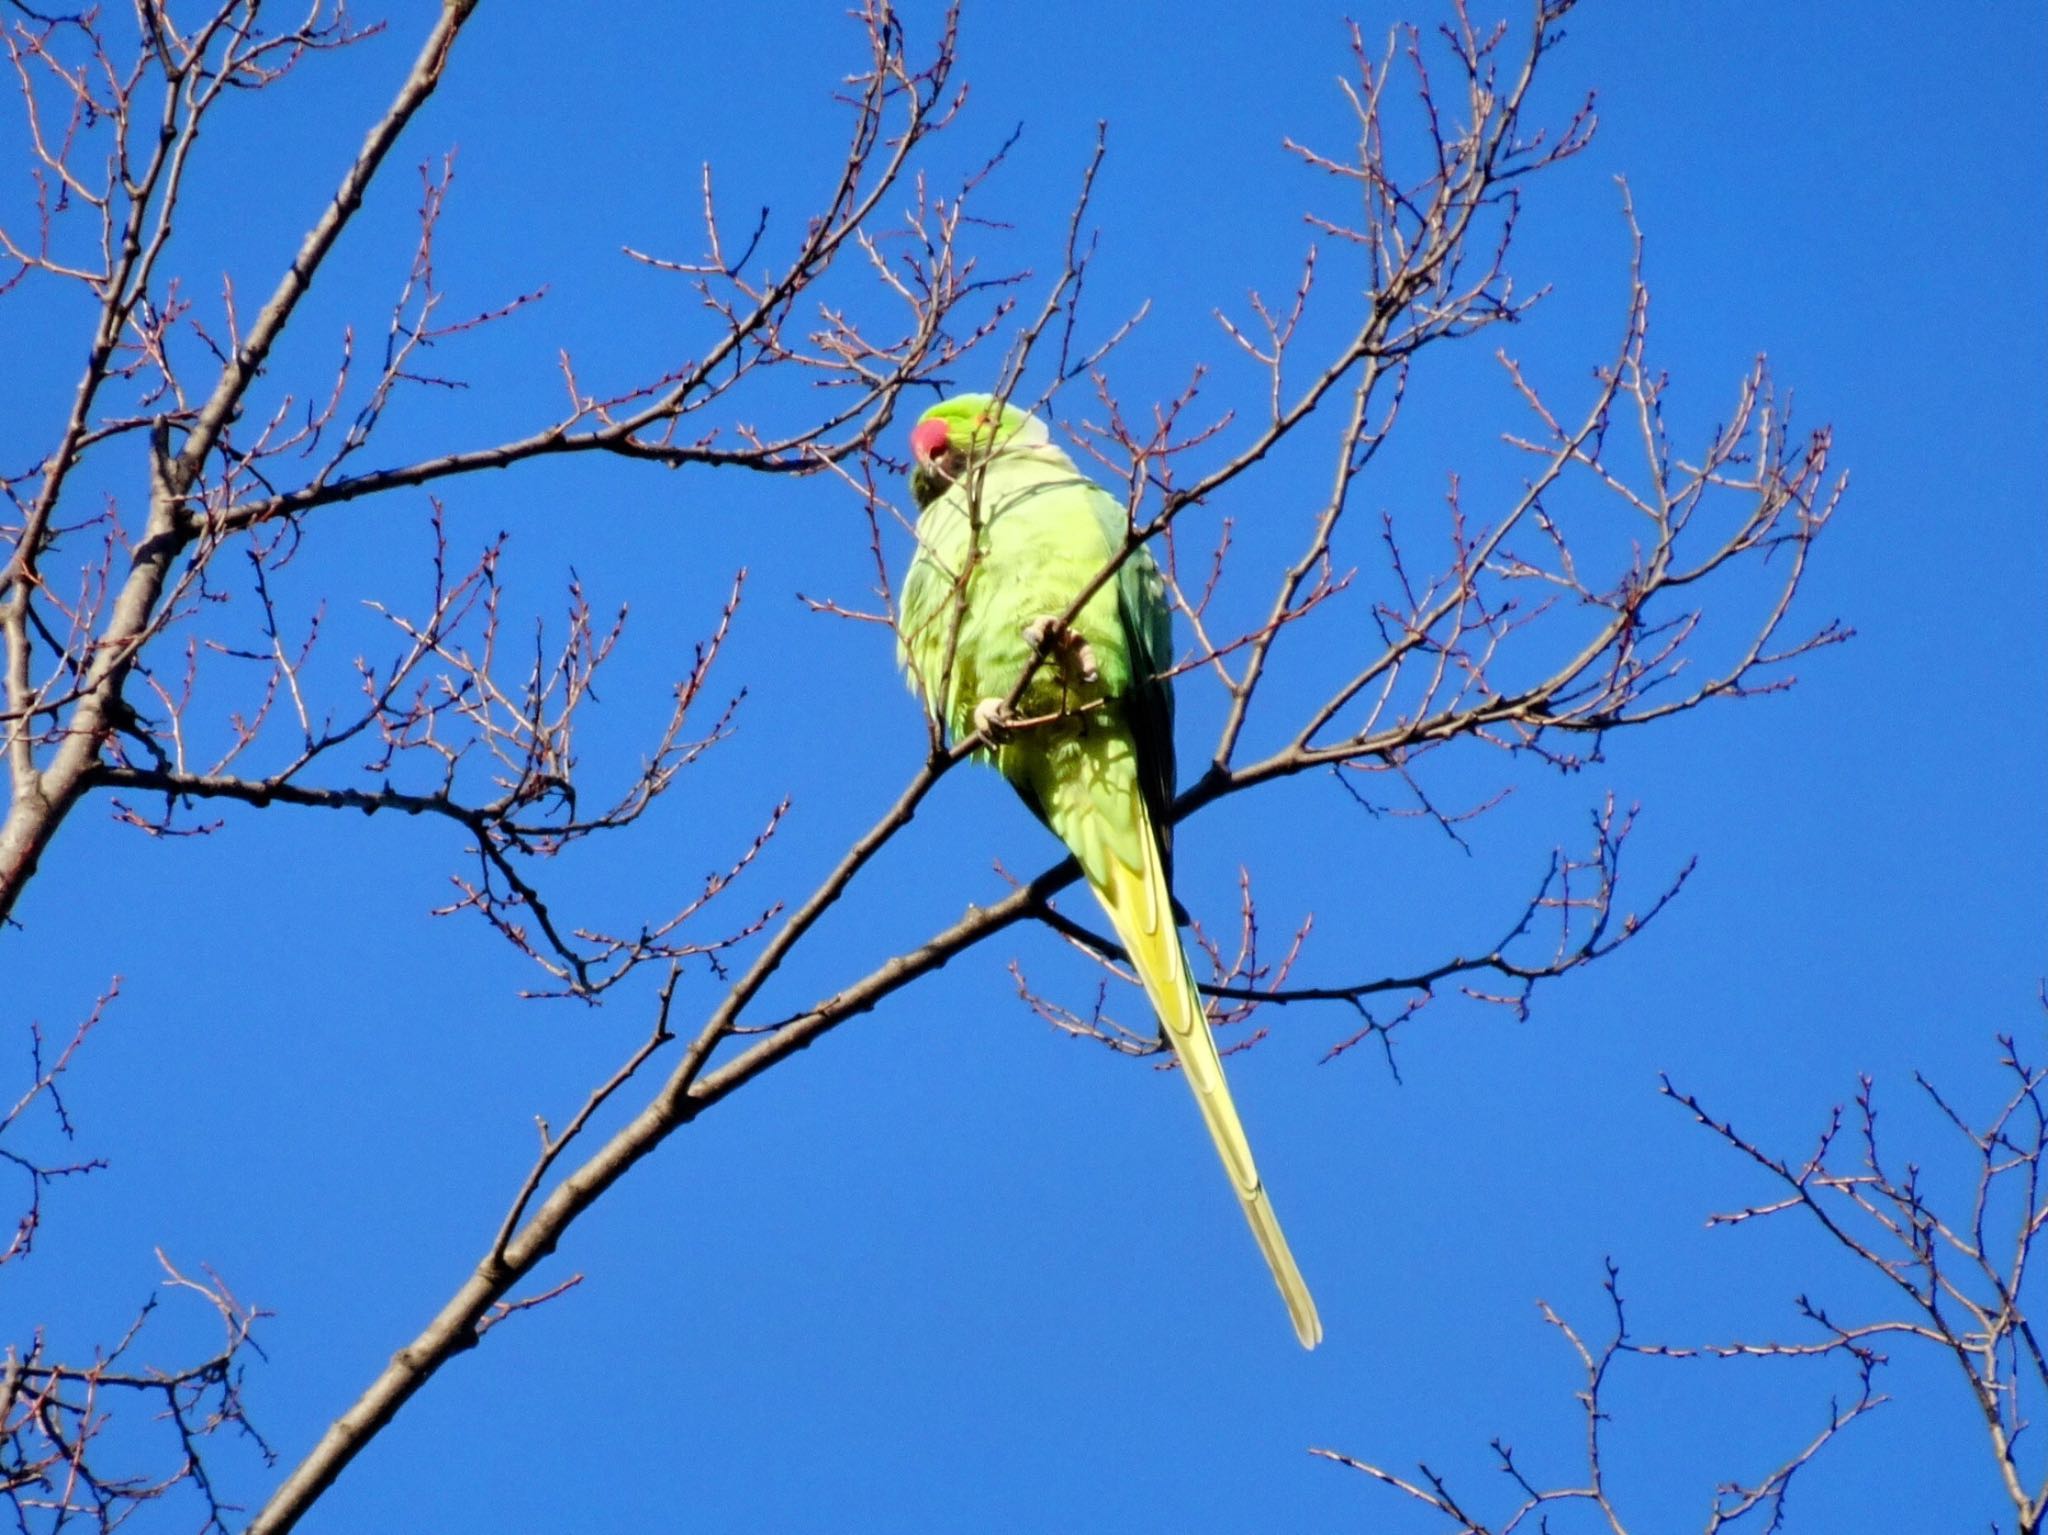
1308 1327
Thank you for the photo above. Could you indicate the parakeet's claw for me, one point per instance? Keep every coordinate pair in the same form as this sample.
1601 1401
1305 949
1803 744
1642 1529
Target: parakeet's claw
1065 644
994 721
1038 634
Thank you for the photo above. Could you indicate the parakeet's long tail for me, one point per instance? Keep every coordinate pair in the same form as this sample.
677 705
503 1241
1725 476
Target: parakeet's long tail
1141 909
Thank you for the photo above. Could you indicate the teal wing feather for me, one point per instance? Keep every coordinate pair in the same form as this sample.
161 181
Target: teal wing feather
1148 708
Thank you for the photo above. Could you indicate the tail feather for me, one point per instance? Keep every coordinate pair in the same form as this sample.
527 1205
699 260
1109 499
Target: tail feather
1140 907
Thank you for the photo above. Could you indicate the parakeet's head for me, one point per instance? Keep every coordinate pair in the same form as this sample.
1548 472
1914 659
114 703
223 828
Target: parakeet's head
957 433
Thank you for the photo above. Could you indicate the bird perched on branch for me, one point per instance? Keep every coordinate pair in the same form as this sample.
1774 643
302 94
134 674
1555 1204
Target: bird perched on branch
1031 620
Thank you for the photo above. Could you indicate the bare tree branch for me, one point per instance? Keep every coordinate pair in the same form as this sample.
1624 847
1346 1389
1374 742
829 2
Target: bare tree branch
1535 1494
59 1465
1958 1275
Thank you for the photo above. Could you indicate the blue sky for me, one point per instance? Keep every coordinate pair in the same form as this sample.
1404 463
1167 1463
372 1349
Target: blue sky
948 1270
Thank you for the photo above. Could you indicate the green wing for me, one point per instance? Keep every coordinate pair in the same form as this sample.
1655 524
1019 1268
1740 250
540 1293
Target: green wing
1148 708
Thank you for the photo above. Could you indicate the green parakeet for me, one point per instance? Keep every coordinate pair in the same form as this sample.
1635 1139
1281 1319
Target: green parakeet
1010 534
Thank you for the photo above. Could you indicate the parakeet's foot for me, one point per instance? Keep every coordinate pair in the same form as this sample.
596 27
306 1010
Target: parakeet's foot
994 721
1065 644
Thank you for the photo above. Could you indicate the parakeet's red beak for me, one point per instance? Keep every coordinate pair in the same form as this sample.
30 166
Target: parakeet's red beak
928 440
